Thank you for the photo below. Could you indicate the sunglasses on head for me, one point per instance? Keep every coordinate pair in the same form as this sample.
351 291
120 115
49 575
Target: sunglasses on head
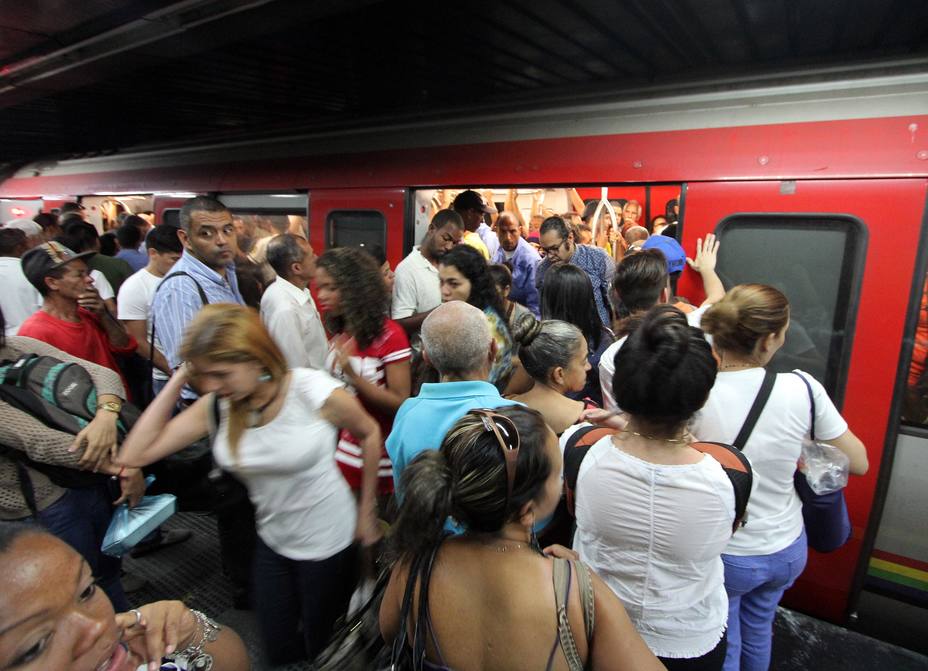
507 437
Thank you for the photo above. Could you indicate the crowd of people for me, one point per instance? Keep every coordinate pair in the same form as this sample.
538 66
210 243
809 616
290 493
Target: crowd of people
420 422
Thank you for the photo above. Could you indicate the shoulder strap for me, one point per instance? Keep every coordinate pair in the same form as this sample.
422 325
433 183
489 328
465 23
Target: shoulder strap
811 402
754 413
575 451
739 471
151 337
184 273
587 600
561 571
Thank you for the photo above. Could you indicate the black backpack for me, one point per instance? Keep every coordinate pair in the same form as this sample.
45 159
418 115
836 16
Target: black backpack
734 463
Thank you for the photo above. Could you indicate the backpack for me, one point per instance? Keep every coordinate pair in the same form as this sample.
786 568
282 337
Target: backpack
733 462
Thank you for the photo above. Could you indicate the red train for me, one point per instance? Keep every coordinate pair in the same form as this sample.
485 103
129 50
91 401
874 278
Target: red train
816 184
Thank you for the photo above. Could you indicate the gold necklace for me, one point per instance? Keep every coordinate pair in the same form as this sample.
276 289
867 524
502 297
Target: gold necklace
505 548
681 439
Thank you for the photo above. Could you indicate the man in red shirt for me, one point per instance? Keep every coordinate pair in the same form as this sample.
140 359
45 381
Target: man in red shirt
73 317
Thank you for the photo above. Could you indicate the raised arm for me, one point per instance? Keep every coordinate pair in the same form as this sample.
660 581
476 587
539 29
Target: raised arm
704 264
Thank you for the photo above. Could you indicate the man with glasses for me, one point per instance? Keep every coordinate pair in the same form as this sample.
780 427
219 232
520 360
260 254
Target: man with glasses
558 246
416 289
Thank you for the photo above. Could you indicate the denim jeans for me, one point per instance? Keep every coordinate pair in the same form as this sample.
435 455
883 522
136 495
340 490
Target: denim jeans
297 602
80 518
755 585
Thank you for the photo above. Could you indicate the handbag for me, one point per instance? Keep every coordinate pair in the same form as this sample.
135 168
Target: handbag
130 525
828 525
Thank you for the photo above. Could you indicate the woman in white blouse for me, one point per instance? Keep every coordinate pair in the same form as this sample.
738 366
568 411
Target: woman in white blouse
277 433
763 559
654 514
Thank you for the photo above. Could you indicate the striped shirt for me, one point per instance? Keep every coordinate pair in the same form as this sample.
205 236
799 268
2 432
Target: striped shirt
392 346
177 302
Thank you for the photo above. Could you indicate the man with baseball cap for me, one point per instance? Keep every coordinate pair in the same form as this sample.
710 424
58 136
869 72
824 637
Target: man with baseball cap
471 206
73 317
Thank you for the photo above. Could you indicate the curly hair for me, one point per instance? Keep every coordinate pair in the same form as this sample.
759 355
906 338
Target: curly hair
471 265
363 294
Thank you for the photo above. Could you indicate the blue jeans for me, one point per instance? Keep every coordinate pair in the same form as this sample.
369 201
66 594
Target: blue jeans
80 518
755 586
297 602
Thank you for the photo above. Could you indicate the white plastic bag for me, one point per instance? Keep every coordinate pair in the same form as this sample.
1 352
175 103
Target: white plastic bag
826 467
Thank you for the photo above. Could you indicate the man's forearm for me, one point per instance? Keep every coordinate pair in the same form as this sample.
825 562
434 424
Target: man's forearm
115 331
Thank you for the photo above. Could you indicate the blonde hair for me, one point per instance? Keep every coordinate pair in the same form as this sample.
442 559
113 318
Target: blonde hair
747 313
228 333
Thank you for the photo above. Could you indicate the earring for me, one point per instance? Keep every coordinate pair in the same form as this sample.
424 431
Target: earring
265 377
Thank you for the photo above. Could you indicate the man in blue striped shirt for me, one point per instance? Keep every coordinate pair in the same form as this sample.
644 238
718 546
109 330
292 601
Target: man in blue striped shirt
208 236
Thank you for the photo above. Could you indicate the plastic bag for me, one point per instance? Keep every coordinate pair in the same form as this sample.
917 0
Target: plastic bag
826 467
131 525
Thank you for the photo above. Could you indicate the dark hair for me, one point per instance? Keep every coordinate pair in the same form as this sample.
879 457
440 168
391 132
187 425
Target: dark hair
2 329
376 251
668 211
567 294
557 224
639 280
502 276
670 231
79 236
108 246
70 207
129 236
46 220
198 204
664 371
466 479
282 252
10 532
163 239
472 265
545 345
11 241
363 294
137 221
747 313
443 218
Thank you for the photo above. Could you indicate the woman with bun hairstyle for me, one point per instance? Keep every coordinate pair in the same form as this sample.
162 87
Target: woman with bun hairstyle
465 276
658 545
762 560
490 595
554 353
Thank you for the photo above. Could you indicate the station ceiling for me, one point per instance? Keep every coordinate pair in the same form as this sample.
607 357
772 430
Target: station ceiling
95 76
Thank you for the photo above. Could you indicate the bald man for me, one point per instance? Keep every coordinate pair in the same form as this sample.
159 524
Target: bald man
456 340
636 234
521 258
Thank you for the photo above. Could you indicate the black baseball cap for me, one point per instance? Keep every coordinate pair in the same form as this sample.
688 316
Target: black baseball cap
471 200
42 259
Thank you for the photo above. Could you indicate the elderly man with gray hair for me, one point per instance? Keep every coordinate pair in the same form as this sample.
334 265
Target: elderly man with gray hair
456 340
287 308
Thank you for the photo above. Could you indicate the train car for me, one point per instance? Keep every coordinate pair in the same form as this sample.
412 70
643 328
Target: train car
814 182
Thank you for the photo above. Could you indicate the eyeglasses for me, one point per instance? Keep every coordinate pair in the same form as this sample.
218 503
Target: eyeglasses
507 436
553 250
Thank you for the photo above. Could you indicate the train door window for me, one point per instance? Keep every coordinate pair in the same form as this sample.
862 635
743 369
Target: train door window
817 261
356 228
915 404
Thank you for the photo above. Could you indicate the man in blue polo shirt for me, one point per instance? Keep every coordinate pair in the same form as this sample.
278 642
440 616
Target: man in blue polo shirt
456 340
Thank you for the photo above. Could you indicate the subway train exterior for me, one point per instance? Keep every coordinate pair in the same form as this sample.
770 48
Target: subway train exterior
814 182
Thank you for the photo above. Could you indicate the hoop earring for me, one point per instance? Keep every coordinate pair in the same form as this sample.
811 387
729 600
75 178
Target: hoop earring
265 377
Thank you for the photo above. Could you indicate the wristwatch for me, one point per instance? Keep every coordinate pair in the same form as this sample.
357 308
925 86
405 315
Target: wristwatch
110 406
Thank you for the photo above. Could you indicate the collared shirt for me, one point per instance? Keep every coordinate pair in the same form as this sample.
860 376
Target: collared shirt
523 263
416 287
19 299
598 267
291 317
177 302
489 238
438 406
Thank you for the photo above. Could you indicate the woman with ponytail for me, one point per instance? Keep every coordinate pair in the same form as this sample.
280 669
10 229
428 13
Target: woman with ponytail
554 353
762 560
490 600
653 513
275 430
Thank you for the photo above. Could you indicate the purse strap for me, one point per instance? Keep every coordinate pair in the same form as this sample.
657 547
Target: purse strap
754 413
400 641
811 402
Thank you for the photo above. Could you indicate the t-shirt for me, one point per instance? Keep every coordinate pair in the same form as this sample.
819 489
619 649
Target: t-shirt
774 509
391 346
473 239
607 360
102 285
84 339
659 544
19 299
134 303
115 270
304 510
416 287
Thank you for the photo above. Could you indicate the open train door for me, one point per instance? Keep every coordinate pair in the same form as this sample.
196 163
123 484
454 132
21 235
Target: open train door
358 217
845 252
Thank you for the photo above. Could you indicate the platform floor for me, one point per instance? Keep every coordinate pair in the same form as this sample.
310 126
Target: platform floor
191 572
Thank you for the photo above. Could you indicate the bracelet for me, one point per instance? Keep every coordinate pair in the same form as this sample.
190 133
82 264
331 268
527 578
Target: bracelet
197 660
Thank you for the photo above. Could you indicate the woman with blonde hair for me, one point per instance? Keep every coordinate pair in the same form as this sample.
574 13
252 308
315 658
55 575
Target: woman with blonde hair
748 326
275 429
